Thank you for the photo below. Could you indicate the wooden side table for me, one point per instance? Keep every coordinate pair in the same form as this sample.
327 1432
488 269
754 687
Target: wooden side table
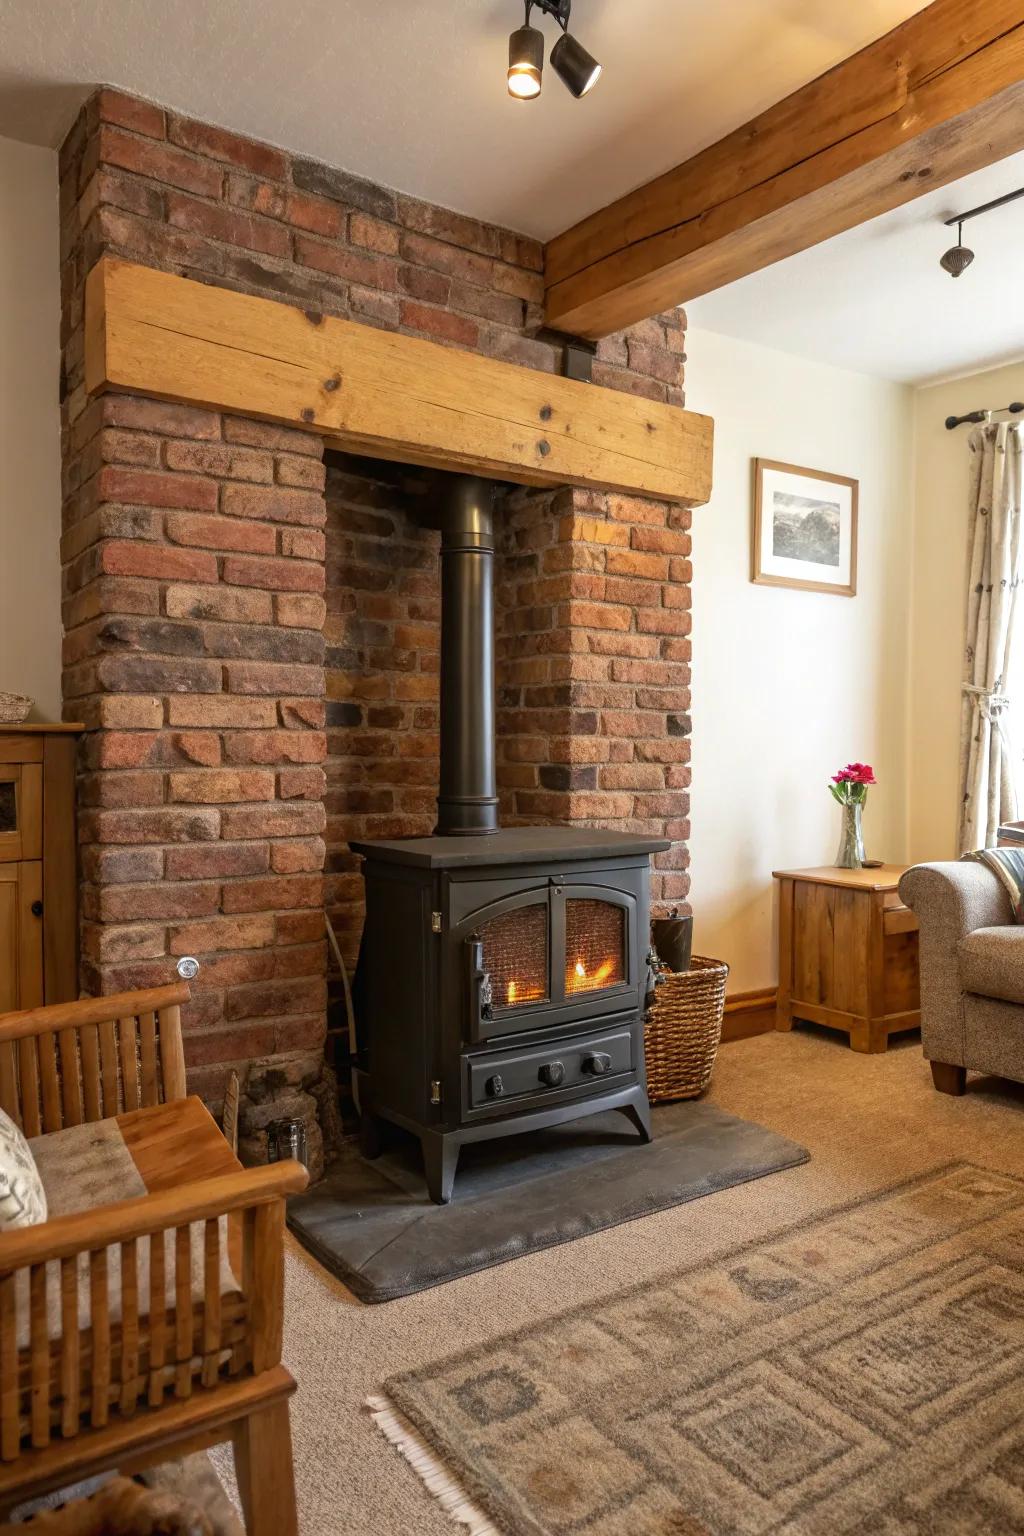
847 953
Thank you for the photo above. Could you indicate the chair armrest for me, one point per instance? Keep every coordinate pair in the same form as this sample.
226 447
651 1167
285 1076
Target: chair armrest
950 900
955 898
205 1200
90 1010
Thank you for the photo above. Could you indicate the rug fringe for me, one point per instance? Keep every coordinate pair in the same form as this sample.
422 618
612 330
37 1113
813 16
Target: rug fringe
433 1473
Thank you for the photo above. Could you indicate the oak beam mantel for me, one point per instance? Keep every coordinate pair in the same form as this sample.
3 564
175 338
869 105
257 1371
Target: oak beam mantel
380 393
938 97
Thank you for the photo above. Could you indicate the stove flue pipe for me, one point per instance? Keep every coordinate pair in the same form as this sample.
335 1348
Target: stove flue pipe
467 805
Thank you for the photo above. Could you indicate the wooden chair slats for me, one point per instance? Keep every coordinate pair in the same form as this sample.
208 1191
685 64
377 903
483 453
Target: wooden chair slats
99 1307
109 1067
129 1062
10 1427
49 1082
129 1327
40 1356
148 1064
211 1303
157 1318
172 1053
28 1084
85 1071
71 1075
92 1092
183 1311
70 1349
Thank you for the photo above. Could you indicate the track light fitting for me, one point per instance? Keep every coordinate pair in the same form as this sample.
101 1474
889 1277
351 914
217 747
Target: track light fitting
959 257
578 70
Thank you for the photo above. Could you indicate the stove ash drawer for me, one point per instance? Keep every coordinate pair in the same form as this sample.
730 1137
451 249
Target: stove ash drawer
587 1061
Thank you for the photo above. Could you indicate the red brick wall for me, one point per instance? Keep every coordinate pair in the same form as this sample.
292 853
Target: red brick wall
194 565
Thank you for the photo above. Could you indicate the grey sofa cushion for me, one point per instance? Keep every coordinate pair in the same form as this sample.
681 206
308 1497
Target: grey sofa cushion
992 963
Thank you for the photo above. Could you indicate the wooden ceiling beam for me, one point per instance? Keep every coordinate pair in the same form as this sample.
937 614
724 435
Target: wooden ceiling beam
938 97
382 394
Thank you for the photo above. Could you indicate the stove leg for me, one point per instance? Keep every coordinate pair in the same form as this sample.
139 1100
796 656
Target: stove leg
640 1114
369 1135
440 1158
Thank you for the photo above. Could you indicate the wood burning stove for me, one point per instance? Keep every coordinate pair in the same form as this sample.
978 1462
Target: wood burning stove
502 973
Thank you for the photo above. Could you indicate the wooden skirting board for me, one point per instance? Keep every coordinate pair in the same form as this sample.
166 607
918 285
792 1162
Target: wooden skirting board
381 393
748 1014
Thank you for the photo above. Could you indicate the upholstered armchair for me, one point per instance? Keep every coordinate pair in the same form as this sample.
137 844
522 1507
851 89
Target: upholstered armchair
972 972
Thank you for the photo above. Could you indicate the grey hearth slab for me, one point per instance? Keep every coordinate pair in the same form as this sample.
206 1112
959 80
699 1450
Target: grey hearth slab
373 1226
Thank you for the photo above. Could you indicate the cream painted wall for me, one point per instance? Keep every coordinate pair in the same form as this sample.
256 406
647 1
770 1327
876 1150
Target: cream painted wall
29 426
937 620
787 685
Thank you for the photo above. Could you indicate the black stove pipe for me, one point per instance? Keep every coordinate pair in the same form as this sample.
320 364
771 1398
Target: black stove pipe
467 805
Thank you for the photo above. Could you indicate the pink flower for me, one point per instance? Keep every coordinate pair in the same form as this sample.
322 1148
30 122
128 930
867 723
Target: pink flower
860 773
844 776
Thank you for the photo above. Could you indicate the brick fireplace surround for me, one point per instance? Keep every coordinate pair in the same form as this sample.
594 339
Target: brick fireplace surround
251 635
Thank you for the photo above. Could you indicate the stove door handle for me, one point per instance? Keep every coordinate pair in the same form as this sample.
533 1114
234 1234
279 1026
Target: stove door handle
599 1063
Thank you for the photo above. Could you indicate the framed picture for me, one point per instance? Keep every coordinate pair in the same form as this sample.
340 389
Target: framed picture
805 529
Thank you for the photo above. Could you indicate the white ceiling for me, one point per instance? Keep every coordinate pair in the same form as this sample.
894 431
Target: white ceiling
411 93
875 299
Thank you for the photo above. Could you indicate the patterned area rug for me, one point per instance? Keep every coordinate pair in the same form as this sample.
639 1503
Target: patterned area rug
857 1375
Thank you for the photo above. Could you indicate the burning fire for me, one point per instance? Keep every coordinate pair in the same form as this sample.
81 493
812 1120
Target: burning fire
581 981
516 993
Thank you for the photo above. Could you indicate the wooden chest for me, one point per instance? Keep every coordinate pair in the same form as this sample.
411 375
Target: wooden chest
847 953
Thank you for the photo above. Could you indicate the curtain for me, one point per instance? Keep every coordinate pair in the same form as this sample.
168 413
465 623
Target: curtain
987 767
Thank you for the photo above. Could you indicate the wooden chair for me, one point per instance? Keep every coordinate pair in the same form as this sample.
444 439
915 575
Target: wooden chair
148 1369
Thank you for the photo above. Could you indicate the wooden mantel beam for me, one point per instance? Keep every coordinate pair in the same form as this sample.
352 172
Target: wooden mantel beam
382 394
940 96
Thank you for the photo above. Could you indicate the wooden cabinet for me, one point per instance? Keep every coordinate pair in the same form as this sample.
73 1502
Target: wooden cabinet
847 953
38 866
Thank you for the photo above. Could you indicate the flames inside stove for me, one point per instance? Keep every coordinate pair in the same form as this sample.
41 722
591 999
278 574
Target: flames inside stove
516 951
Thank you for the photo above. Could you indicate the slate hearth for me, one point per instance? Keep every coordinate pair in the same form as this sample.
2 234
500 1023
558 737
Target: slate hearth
374 1226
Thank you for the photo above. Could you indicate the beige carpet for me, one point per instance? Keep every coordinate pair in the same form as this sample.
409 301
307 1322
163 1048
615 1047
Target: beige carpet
868 1121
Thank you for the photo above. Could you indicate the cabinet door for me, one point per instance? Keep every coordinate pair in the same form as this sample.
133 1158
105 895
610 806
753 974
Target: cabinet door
21 811
21 936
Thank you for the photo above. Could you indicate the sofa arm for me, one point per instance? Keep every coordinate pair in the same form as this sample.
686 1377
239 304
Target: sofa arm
950 901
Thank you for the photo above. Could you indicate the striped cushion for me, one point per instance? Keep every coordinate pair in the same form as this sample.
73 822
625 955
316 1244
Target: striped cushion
1007 864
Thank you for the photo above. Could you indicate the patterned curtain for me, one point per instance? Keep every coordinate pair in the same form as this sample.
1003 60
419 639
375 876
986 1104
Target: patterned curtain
987 768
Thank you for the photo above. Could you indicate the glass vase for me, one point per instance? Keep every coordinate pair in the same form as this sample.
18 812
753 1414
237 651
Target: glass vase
851 838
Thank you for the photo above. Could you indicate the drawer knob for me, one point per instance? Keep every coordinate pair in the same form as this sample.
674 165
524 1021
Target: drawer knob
495 1086
552 1073
36 909
599 1063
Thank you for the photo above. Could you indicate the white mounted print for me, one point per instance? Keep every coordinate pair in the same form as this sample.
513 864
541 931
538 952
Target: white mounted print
804 529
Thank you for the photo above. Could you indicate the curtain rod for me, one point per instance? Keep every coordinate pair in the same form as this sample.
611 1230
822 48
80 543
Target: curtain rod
1015 407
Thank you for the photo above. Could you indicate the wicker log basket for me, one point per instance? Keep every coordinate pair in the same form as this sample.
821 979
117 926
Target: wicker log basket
683 1029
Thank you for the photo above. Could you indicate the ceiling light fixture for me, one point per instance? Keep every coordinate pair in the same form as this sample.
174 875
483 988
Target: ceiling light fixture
959 257
578 70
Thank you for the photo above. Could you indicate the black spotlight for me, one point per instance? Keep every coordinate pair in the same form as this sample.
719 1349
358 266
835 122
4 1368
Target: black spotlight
575 67
578 70
959 257
525 61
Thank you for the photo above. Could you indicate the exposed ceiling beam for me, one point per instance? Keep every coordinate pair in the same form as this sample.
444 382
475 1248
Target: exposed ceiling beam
940 96
383 394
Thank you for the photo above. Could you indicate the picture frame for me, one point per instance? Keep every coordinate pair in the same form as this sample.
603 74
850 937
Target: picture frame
804 530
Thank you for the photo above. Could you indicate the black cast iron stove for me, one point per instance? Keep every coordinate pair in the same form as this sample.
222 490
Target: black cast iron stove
502 973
